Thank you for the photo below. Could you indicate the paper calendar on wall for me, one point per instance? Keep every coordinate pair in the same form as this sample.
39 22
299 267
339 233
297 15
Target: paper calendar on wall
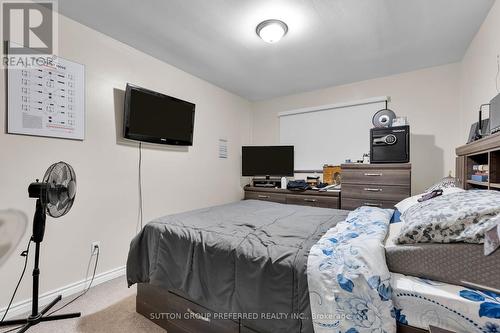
47 100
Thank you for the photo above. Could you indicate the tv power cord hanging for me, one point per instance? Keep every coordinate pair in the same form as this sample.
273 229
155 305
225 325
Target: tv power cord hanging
498 73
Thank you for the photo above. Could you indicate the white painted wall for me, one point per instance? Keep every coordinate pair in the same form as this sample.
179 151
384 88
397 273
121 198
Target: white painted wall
106 205
429 97
479 69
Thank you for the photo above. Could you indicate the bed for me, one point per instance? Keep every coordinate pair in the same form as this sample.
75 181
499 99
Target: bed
239 267
245 257
428 285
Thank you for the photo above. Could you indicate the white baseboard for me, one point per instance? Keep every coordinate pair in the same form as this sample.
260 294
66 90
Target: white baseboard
73 288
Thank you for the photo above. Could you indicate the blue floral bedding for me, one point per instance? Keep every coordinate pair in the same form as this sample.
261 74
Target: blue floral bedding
420 303
352 291
349 283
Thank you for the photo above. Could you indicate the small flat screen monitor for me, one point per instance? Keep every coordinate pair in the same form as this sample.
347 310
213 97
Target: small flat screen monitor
154 117
267 161
495 114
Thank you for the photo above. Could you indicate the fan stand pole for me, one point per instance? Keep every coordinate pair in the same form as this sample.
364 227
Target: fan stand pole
38 317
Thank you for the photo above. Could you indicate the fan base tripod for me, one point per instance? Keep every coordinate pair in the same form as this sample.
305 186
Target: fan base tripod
37 317
33 320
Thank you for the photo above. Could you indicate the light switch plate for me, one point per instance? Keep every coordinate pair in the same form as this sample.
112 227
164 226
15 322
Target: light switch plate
223 148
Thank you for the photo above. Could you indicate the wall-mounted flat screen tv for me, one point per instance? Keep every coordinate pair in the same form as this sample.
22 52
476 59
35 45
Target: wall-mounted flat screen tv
267 161
154 117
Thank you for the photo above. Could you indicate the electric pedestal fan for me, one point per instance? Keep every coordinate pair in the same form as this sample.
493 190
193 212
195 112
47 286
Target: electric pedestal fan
55 196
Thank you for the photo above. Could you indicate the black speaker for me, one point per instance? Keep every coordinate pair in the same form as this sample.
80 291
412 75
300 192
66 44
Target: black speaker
390 145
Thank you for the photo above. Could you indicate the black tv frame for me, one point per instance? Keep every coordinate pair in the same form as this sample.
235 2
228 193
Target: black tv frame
268 176
147 138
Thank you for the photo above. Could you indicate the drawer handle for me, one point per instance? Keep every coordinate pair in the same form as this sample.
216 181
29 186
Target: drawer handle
263 196
374 174
373 189
310 200
372 204
197 315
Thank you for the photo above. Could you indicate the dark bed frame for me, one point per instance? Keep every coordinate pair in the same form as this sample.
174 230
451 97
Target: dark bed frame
176 313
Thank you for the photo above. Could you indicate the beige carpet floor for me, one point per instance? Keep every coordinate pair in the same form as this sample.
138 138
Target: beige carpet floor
106 308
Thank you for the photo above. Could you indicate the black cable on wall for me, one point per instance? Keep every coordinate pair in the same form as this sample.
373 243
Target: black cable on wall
140 187
498 73
24 254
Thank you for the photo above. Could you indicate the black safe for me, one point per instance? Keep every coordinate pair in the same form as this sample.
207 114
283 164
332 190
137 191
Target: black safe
390 144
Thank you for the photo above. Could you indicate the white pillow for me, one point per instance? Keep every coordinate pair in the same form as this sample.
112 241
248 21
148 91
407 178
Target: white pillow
405 204
393 234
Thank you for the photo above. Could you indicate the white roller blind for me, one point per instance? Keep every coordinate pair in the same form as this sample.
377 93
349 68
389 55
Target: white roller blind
331 133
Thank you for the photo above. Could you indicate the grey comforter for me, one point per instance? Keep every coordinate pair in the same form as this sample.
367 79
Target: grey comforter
247 257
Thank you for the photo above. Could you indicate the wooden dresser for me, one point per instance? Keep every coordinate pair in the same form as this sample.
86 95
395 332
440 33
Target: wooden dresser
305 198
377 185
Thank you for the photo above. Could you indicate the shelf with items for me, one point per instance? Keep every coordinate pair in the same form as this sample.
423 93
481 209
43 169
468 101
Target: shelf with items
477 171
494 167
478 164
476 183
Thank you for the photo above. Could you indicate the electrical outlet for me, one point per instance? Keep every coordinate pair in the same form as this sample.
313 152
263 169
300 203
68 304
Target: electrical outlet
96 246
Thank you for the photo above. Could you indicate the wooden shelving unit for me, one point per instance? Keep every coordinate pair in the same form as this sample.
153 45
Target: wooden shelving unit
476 183
485 151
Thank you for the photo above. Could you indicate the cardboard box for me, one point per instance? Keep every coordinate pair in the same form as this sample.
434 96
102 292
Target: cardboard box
332 174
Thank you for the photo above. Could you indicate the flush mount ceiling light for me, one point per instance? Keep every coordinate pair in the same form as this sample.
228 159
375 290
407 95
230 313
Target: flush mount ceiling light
271 31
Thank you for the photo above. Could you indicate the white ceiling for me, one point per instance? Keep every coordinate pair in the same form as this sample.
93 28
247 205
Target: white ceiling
329 42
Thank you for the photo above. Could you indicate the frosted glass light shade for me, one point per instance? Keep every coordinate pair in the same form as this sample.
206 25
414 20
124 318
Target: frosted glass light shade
271 31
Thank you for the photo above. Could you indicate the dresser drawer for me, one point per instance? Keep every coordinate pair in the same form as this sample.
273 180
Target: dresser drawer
353 203
265 196
180 314
152 314
244 329
376 192
376 176
196 318
311 200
